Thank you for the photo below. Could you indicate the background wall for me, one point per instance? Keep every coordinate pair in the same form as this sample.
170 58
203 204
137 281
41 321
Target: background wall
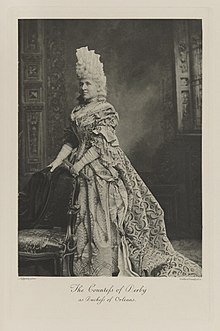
139 62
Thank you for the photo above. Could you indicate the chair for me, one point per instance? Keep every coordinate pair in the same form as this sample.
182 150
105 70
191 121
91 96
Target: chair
54 243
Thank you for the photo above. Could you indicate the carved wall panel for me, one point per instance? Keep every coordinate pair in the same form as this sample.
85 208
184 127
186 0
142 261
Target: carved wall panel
34 140
32 71
188 65
42 95
195 32
33 93
30 36
181 50
31 96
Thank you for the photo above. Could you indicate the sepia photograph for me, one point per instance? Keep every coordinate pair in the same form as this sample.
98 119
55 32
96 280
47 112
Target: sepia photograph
110 147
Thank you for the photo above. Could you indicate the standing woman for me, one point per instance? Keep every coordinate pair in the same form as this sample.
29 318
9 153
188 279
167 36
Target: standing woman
120 227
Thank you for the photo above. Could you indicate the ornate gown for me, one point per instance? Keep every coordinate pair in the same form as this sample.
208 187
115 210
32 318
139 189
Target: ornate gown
120 227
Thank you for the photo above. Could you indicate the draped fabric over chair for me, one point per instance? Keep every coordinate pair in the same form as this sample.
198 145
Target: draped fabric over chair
45 220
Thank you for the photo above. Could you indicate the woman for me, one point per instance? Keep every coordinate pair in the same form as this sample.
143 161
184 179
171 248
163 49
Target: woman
120 227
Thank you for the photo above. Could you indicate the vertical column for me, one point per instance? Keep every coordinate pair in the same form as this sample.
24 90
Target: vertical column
195 30
32 102
182 66
188 64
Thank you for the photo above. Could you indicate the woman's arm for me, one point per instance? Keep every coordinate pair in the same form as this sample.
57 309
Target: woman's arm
103 139
70 142
64 152
91 155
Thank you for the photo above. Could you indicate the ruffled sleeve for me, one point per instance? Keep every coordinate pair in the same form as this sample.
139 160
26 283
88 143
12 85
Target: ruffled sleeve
104 136
105 126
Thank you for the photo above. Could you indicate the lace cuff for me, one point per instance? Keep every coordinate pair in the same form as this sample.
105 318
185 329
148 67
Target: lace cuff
87 158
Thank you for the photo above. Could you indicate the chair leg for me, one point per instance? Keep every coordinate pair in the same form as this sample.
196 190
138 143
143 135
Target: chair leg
67 265
61 266
70 263
55 267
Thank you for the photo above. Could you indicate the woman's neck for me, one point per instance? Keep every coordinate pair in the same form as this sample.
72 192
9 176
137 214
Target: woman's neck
91 100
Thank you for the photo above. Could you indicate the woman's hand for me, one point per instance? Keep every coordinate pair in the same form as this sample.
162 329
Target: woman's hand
75 169
64 152
54 164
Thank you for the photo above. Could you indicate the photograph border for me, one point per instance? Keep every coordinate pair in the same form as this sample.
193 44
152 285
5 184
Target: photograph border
196 303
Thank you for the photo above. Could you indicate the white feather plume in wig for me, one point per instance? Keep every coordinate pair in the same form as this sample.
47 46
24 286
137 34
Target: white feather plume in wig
89 66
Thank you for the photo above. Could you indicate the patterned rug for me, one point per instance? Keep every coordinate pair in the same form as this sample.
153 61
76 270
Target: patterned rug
189 248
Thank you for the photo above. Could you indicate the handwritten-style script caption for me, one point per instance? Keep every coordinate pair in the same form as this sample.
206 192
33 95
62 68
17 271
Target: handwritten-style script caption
97 294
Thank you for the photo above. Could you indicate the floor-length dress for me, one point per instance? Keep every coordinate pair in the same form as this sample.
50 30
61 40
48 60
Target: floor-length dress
120 228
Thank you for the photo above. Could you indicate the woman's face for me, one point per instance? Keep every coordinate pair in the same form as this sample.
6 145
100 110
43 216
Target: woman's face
88 89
